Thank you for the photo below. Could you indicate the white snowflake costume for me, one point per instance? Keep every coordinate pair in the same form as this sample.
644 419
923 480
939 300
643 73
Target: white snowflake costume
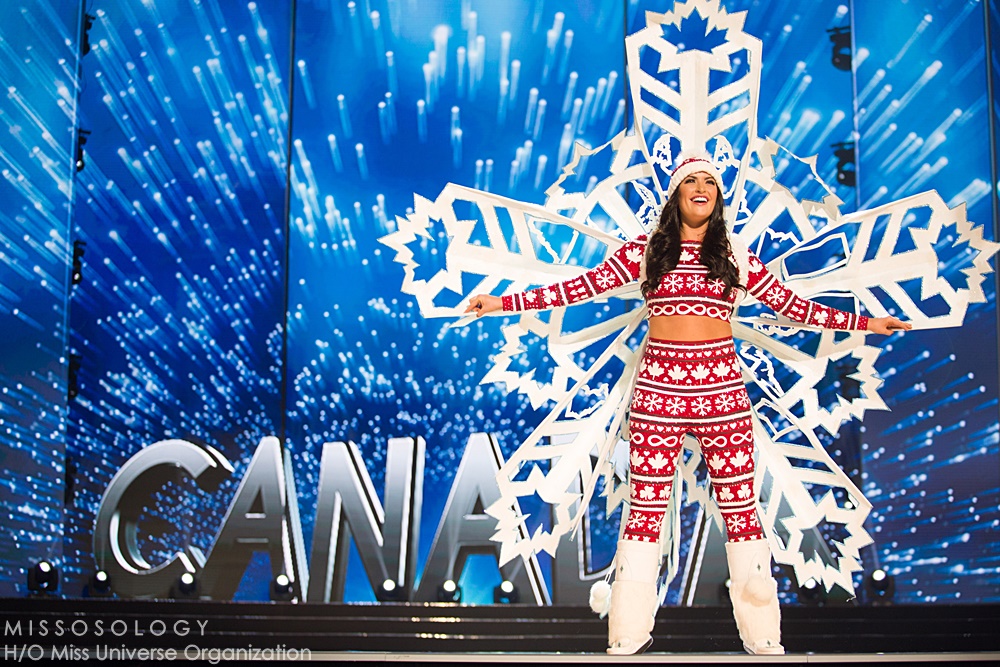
528 245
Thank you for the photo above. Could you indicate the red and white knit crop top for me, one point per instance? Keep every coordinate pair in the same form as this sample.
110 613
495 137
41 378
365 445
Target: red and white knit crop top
684 291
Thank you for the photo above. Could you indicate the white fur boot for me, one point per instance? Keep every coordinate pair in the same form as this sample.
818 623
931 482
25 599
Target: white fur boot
633 597
754 593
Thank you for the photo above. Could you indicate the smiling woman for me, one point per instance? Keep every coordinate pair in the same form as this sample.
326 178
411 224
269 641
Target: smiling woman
693 213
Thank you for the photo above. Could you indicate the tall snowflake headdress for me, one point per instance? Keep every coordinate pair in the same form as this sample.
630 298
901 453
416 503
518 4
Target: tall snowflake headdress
694 100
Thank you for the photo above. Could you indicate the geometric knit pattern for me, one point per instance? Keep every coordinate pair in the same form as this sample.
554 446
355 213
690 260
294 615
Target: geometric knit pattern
684 291
696 388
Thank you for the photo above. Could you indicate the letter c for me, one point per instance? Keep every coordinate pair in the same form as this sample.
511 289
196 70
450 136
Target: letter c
116 528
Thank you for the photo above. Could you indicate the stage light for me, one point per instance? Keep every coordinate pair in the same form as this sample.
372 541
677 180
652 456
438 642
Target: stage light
841 38
43 577
811 593
186 587
76 276
844 152
506 593
81 140
881 586
390 591
73 378
449 591
99 586
281 589
88 23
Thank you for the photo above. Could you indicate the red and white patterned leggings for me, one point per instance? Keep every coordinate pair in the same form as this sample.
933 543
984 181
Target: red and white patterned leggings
697 388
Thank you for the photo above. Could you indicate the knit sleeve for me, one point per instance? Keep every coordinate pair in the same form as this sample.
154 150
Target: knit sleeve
621 268
767 289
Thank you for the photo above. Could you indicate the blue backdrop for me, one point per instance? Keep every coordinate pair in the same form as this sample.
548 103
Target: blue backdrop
242 161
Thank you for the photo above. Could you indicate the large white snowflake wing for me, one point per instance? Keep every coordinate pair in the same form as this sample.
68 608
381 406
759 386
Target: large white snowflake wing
915 258
901 258
498 245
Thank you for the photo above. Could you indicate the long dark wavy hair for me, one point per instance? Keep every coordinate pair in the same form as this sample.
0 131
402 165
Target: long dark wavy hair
663 250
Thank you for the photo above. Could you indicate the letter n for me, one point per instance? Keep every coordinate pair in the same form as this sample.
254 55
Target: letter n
347 506
464 531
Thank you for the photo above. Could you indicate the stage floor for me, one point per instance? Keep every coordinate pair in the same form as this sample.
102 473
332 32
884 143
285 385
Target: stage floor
659 658
103 630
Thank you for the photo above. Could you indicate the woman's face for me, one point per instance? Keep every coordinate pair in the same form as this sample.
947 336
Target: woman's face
697 194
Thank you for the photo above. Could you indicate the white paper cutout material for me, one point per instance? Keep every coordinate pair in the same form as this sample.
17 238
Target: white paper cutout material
518 255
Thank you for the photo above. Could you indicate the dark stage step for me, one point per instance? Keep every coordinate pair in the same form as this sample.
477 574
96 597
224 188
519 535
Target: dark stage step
448 628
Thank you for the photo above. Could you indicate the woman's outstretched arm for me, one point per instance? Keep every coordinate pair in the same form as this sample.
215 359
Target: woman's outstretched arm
621 268
767 289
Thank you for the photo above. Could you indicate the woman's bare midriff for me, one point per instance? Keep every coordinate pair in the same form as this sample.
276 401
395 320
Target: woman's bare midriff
688 328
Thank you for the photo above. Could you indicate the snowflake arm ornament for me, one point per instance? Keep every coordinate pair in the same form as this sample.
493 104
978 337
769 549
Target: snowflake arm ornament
505 247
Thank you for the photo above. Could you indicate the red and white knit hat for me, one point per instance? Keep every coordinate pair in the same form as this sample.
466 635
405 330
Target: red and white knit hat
688 164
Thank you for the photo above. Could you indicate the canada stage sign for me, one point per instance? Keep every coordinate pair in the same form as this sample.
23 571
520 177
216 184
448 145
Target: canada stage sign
263 516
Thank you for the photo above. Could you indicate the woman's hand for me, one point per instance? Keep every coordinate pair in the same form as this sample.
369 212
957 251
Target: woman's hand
887 325
484 303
